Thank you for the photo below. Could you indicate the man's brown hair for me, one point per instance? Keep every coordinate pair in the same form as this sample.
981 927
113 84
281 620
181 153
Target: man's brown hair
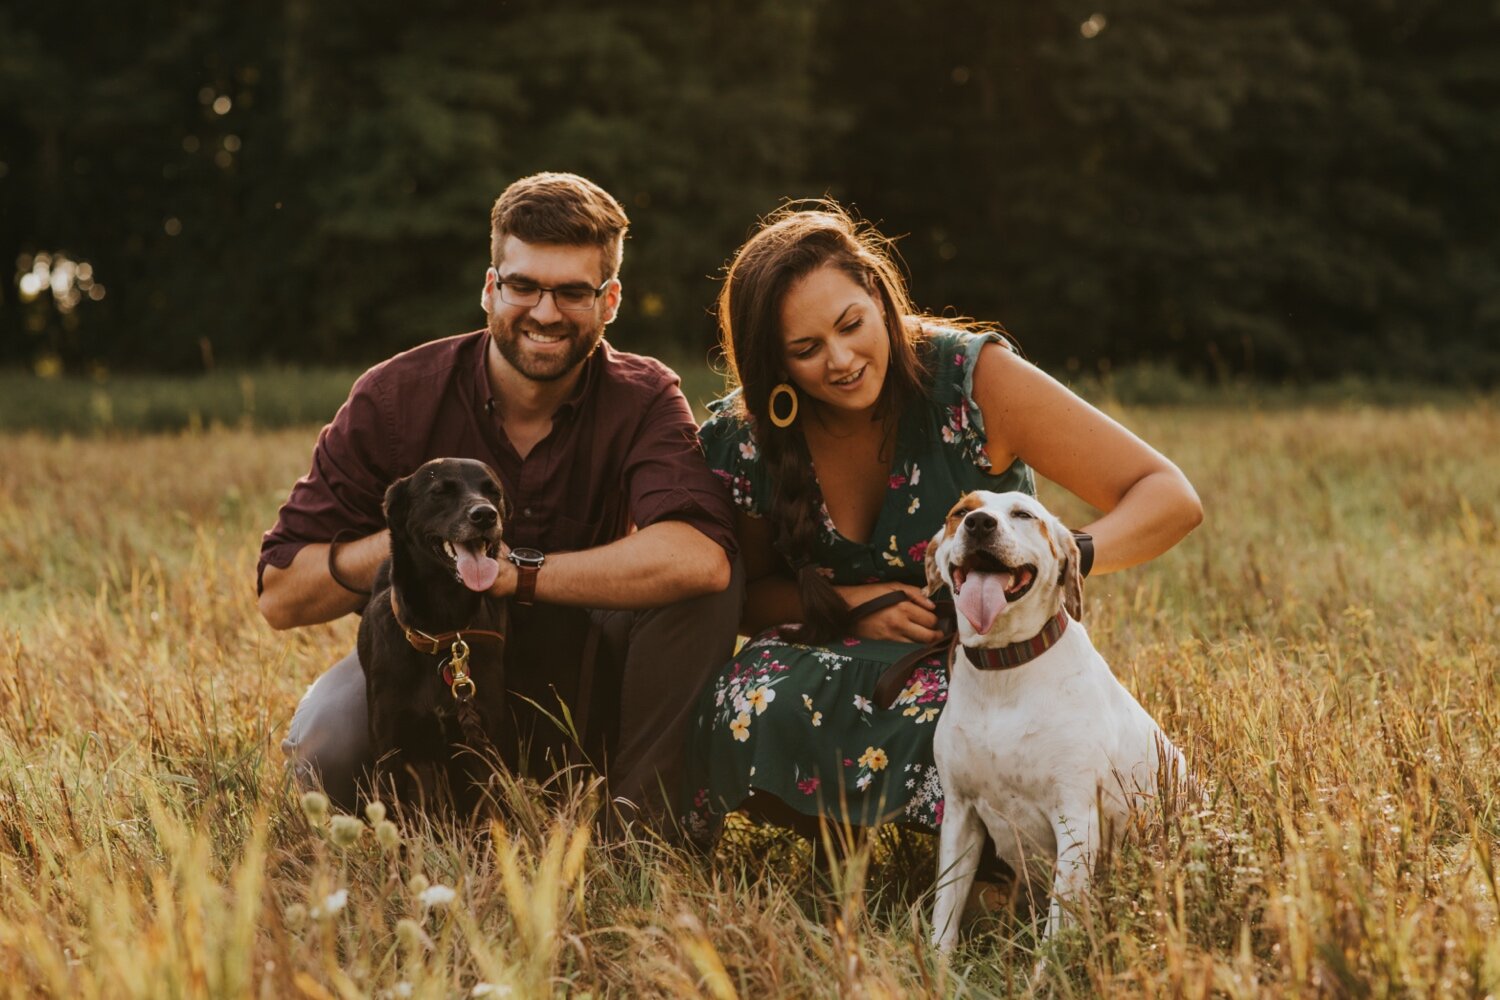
562 209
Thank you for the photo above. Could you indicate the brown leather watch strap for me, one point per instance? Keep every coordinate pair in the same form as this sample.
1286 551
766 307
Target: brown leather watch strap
526 584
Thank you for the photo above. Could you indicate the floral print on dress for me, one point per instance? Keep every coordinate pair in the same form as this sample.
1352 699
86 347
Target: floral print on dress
798 721
746 691
925 790
870 763
925 694
741 491
892 555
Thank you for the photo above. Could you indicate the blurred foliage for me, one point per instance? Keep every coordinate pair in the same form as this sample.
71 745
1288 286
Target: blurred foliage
1223 189
125 405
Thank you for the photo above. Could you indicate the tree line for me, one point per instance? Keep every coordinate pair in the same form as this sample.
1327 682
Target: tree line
1280 189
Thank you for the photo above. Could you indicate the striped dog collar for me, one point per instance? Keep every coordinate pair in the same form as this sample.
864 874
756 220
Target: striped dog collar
1019 653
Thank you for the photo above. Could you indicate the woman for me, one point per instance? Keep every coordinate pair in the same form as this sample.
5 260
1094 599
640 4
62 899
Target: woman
856 425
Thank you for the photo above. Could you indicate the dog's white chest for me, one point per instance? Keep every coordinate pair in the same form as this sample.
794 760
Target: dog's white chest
1027 744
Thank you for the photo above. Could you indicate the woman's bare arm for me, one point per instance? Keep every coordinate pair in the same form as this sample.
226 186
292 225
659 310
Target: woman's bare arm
1148 505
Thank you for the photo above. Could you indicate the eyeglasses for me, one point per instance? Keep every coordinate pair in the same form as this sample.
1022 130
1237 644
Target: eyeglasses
528 295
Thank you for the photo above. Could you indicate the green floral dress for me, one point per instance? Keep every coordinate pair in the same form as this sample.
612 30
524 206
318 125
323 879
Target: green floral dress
798 721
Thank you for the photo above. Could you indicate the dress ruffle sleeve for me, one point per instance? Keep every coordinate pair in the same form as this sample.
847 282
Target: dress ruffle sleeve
729 445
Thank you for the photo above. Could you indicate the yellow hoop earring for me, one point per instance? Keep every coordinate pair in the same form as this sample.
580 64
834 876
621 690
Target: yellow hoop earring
785 421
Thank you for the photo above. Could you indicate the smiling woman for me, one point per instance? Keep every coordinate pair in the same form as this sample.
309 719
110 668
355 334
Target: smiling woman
898 415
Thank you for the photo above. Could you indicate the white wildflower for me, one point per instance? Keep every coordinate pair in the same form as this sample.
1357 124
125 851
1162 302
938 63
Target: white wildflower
436 895
331 904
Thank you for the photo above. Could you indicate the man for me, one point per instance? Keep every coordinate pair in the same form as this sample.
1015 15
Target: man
615 518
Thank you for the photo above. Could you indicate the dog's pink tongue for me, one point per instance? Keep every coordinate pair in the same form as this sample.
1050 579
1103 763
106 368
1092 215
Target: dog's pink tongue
982 598
477 569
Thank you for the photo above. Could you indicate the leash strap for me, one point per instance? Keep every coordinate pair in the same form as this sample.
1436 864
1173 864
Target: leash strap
889 599
895 677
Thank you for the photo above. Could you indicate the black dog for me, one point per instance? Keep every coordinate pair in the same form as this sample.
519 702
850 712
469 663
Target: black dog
432 643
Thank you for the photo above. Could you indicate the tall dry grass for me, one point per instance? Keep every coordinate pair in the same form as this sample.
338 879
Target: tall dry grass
1324 649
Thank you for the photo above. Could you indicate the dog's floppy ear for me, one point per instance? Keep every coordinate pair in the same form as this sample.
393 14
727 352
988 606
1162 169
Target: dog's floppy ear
935 580
397 505
1068 576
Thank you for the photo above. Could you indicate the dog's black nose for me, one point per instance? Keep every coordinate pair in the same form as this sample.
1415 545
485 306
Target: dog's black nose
484 516
979 523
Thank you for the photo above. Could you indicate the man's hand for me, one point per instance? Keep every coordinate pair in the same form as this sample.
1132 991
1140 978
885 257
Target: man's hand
507 578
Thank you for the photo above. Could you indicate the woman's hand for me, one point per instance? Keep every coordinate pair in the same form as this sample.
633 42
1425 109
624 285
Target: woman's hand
911 620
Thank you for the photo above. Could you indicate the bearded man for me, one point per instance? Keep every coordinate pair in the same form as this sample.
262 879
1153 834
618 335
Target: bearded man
615 521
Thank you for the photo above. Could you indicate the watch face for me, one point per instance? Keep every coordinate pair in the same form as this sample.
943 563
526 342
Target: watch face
527 557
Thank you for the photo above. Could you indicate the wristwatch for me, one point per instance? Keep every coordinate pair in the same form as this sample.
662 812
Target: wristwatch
1085 552
528 562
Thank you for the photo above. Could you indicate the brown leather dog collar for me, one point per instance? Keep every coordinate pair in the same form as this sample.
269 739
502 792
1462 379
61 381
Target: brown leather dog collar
435 644
1019 653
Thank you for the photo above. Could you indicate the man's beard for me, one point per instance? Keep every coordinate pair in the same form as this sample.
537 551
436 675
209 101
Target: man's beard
510 338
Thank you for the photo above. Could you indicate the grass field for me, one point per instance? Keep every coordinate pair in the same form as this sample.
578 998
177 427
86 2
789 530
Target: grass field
1323 648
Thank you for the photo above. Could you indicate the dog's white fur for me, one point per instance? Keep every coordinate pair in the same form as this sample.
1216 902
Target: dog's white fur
1048 757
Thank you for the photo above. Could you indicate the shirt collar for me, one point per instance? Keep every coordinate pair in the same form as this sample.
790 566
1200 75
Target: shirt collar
567 407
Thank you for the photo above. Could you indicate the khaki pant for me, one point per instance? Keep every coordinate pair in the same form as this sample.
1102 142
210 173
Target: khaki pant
659 660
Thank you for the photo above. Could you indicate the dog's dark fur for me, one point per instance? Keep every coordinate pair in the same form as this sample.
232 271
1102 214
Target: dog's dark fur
424 756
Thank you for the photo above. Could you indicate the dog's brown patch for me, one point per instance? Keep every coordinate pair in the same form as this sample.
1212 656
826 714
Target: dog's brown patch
966 503
1047 534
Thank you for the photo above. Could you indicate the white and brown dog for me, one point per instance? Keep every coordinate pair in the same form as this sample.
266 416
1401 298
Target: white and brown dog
1038 744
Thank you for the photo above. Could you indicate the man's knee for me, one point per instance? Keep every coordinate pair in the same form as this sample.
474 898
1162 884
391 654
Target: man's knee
712 618
327 743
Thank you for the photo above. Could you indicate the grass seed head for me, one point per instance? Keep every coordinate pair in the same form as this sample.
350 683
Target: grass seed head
387 835
315 807
346 830
411 935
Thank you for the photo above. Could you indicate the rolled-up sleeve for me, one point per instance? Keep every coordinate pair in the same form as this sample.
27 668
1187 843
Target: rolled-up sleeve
668 479
344 489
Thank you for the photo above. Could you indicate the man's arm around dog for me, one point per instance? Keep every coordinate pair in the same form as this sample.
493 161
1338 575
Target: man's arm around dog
660 564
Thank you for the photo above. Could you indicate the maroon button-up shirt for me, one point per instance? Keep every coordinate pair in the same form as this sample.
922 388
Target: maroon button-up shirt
623 451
